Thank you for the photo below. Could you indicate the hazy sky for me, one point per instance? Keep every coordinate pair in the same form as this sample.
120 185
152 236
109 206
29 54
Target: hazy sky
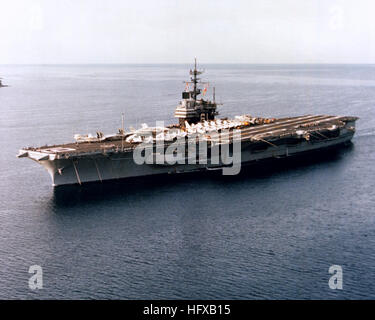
175 31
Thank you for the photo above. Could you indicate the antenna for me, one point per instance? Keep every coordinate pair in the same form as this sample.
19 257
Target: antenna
123 132
195 81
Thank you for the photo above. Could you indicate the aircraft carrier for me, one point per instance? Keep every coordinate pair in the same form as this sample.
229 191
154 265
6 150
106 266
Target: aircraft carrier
144 151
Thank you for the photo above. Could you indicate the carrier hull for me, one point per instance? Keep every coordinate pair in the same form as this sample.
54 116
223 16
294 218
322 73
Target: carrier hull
121 165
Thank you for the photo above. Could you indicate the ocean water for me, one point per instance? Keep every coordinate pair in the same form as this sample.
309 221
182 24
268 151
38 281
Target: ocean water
269 234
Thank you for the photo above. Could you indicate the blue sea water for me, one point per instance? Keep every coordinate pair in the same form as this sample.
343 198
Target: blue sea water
272 234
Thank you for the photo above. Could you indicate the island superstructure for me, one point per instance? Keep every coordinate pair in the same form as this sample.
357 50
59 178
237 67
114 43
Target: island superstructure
106 157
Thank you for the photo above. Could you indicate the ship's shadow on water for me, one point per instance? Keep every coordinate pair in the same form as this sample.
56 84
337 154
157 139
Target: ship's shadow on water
141 188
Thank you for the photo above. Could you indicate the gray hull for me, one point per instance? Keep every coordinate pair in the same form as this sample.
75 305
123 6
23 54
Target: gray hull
121 165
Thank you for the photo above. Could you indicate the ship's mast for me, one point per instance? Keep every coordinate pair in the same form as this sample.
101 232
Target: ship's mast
195 80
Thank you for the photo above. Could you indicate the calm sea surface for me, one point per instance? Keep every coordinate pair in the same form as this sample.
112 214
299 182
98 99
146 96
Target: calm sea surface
266 235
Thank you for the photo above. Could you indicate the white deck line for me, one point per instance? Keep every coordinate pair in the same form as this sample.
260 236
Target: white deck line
280 130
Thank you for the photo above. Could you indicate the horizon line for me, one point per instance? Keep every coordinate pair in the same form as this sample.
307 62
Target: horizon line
187 63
